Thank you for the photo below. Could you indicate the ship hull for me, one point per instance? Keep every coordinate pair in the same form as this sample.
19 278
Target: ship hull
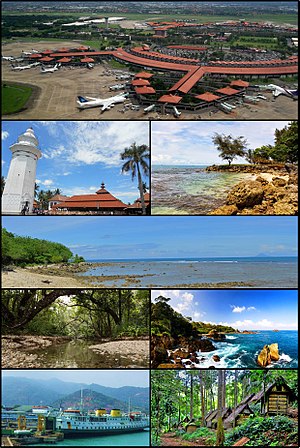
73 433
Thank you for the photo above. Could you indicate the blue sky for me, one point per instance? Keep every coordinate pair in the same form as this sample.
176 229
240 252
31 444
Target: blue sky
109 378
104 237
190 142
79 156
241 309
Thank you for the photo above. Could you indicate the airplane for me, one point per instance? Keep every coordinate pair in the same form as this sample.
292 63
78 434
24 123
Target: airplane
90 66
261 97
7 58
149 108
50 69
123 76
229 105
176 112
277 90
105 103
117 87
24 67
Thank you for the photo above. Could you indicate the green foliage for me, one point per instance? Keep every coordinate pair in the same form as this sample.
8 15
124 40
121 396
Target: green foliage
25 250
265 431
230 148
208 434
77 259
285 148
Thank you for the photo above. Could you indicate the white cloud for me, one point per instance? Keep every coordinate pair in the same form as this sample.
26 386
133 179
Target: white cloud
4 135
238 309
89 143
45 183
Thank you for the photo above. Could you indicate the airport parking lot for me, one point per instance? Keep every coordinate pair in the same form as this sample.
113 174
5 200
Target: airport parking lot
57 93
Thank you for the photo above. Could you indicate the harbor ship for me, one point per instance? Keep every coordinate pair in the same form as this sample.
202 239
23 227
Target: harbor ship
75 423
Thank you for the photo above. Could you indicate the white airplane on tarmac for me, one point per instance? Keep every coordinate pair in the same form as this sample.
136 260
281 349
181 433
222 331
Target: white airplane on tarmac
117 87
149 109
104 103
7 58
176 112
50 69
277 90
24 67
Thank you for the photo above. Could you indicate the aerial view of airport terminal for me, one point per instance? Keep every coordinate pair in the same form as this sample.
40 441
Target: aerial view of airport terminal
151 60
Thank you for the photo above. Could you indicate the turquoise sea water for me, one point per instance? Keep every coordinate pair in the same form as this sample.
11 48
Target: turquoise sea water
132 439
183 190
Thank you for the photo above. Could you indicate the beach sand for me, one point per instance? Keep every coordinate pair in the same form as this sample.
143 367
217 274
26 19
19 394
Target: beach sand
23 278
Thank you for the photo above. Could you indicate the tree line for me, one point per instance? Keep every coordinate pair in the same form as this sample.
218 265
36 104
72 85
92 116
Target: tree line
104 313
24 250
284 150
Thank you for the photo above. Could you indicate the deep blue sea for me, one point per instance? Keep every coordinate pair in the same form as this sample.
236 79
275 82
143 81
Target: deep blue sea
256 272
241 350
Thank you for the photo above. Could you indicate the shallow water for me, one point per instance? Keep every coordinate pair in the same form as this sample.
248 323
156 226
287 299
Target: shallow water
77 354
190 190
256 272
241 350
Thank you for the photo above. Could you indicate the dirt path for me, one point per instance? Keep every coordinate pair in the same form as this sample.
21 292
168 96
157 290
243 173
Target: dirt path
170 439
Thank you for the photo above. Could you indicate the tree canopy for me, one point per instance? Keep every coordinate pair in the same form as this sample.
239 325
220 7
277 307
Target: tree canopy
69 312
230 148
22 250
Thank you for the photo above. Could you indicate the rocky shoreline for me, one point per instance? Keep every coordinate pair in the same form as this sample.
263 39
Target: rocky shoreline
274 191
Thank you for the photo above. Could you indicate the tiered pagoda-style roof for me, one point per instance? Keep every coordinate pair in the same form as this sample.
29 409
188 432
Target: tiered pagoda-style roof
101 200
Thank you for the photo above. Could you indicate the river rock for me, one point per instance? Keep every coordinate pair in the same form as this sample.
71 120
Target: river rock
216 358
214 334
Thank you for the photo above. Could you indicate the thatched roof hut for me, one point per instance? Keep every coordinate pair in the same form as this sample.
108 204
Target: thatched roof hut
238 414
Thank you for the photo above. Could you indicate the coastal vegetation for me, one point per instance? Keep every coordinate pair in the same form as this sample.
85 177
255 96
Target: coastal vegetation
22 251
284 150
174 336
219 408
33 319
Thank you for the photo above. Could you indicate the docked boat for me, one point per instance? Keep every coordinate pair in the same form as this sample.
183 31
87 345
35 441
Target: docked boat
75 423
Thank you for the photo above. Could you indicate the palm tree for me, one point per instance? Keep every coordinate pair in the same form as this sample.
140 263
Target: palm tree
137 161
36 189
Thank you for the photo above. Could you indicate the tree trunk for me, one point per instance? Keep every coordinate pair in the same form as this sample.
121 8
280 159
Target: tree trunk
141 189
202 398
191 398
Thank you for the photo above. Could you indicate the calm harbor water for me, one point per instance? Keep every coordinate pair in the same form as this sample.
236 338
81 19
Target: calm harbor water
256 272
241 350
132 439
188 190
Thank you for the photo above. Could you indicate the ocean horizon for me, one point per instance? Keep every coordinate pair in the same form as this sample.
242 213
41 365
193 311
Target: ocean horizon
258 258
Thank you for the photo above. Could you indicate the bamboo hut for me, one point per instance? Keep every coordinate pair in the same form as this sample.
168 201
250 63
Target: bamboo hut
276 398
211 419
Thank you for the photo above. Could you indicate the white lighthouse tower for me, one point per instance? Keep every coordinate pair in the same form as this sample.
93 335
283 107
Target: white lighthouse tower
19 186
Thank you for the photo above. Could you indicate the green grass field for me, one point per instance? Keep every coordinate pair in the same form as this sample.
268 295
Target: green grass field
14 97
261 17
270 43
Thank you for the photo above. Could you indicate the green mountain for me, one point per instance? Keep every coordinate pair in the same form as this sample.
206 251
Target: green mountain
90 400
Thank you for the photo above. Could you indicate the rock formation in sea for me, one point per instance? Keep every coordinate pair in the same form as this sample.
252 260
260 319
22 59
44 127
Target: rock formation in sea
268 354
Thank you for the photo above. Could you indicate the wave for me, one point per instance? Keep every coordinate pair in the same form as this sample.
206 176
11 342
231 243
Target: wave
231 337
285 358
228 353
